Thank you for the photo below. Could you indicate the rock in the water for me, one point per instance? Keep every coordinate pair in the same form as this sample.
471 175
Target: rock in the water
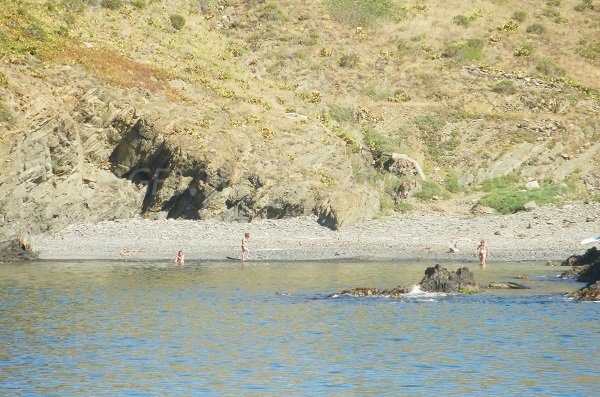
396 292
590 256
591 292
590 274
439 279
507 285
357 292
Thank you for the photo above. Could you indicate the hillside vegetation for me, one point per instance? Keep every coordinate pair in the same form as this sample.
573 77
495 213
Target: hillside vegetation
235 110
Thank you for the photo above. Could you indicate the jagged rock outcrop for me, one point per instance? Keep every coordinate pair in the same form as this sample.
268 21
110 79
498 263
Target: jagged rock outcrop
586 269
439 279
589 257
580 266
590 292
89 152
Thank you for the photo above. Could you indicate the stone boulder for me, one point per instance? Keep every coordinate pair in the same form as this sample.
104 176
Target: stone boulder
590 256
586 268
15 249
590 274
345 207
590 292
439 279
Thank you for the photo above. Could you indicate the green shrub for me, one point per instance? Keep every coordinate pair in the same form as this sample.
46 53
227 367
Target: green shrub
585 5
588 50
511 199
403 207
36 32
177 21
341 113
309 96
112 4
380 146
429 123
139 4
5 114
399 96
452 183
536 28
524 51
3 80
380 90
430 190
499 183
348 60
470 50
386 206
361 12
509 26
553 13
461 20
506 87
519 16
553 3
76 6
271 12
549 69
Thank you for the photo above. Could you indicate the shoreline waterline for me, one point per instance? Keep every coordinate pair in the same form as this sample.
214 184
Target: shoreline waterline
546 234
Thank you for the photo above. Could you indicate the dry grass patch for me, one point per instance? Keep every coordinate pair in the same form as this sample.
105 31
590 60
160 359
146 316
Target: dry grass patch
117 69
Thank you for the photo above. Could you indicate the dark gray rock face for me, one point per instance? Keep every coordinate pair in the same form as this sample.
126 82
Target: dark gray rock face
586 269
590 256
439 279
590 292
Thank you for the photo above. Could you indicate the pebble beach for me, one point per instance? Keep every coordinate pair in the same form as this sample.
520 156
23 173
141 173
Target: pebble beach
545 234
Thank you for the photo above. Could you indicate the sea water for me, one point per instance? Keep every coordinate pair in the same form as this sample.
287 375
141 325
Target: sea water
272 329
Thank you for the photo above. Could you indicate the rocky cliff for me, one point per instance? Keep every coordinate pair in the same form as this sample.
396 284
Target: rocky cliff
239 110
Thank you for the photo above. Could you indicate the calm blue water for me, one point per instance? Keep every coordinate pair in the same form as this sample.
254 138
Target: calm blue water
220 329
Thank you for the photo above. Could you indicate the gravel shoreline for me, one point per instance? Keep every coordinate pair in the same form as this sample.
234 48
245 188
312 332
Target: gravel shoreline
546 234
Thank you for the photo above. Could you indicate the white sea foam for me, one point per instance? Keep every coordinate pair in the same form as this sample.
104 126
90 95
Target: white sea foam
417 292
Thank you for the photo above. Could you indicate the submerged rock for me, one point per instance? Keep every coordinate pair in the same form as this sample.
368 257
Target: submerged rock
396 292
358 292
507 285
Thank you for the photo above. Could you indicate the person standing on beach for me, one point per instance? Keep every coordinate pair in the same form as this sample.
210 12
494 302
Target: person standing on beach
483 251
245 248
179 259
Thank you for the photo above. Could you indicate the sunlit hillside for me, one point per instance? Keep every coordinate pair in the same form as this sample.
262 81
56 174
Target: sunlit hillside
345 109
